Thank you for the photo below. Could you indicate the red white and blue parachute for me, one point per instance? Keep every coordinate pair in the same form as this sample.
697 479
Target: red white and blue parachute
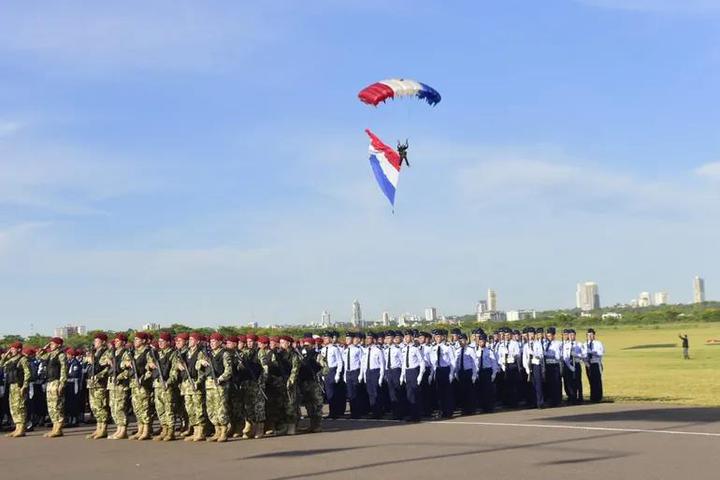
398 87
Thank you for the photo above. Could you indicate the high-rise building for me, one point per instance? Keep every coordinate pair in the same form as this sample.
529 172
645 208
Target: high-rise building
70 331
325 319
644 299
150 326
587 296
698 290
431 314
660 298
480 308
356 315
491 300
386 319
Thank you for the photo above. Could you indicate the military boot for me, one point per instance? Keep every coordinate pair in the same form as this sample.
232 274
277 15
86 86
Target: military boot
188 437
135 435
56 431
281 430
102 431
12 434
146 432
199 433
215 434
291 428
163 432
121 433
187 432
223 435
169 435
20 430
92 436
315 425
247 430
259 430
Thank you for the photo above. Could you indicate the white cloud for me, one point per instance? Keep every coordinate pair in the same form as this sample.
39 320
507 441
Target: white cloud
709 170
665 6
9 128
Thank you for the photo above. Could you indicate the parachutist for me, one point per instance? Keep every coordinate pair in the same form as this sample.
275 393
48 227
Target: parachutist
402 151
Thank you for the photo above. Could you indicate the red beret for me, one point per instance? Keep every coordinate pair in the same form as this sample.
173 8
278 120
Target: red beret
182 336
217 336
142 335
252 336
29 351
319 341
287 338
242 338
154 343
17 345
57 341
70 351
196 335
102 336
274 338
79 351
232 338
263 339
166 336
308 340
121 336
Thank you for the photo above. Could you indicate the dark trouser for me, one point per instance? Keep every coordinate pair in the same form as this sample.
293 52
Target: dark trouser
412 393
573 384
353 393
553 384
335 393
427 393
444 391
486 390
537 383
372 379
467 399
511 386
395 392
595 378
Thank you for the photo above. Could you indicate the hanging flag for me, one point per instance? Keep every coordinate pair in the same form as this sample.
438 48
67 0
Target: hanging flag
385 163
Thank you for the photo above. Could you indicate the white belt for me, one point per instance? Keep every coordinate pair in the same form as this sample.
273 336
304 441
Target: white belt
551 361
535 361
76 382
596 360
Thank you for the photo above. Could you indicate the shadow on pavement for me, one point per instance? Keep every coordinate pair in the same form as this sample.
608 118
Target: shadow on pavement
686 415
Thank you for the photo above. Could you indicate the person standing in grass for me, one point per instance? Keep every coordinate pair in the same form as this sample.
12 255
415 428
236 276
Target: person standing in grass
685 346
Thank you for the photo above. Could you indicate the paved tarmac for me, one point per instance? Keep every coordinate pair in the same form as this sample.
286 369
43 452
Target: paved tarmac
605 441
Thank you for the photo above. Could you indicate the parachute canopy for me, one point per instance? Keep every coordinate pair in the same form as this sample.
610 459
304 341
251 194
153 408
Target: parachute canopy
398 87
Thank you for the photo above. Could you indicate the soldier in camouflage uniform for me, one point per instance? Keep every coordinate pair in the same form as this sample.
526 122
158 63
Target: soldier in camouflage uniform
309 384
289 362
98 360
217 365
192 387
56 377
252 387
118 385
16 369
181 340
162 366
140 385
275 387
235 404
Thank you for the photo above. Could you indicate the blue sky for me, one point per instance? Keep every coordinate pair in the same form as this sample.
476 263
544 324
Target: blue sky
205 162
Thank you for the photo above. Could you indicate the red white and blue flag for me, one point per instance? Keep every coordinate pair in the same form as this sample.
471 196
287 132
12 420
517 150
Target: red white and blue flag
385 163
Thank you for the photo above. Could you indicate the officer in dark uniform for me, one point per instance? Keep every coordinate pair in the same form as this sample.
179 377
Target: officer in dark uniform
72 388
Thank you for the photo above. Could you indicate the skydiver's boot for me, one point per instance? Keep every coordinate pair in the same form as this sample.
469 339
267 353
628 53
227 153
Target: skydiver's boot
56 431
169 435
315 425
247 430
102 431
215 434
120 434
189 436
146 432
259 430
163 432
93 435
199 433
292 428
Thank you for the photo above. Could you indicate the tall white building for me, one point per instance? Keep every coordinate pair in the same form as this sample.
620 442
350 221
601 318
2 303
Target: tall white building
70 331
698 290
386 319
644 299
325 319
587 296
660 298
356 314
516 315
431 314
491 300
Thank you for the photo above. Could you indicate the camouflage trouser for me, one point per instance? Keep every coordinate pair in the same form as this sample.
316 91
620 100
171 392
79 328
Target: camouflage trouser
292 406
253 401
55 402
236 405
194 403
312 398
118 404
217 399
140 397
164 406
277 400
98 398
18 408
179 407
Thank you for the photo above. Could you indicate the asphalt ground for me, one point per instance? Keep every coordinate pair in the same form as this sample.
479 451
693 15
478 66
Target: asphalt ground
604 441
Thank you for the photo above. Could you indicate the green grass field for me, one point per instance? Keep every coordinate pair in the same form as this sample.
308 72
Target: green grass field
646 364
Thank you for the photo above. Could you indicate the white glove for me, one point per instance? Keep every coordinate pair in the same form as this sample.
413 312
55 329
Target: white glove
474 378
492 378
337 379
402 380
450 379
380 381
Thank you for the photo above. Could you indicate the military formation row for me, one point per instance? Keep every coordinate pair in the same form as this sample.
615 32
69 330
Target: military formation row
249 386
